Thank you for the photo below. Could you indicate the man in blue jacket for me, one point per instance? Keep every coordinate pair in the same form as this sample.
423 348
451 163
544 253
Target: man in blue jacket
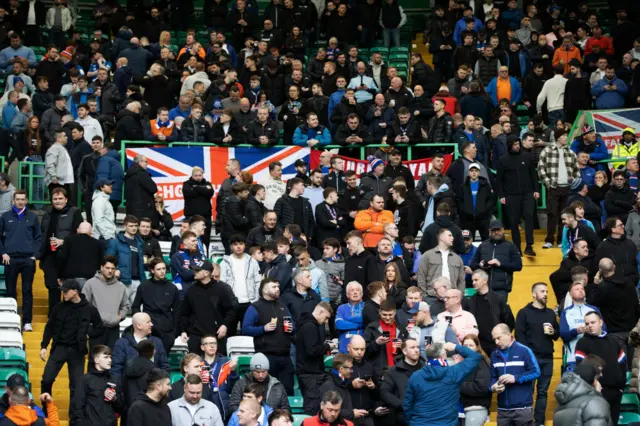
461 25
514 370
433 393
110 168
20 241
125 347
590 142
503 78
127 247
311 134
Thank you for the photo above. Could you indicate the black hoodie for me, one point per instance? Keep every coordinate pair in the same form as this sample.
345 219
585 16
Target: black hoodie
530 330
516 174
147 412
135 378
310 345
430 236
355 268
623 253
618 302
88 407
206 307
70 324
161 301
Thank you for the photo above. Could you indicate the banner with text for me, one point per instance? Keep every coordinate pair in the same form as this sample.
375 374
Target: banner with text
171 167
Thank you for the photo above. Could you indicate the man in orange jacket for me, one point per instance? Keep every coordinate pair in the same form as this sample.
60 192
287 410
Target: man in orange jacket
20 412
565 53
371 221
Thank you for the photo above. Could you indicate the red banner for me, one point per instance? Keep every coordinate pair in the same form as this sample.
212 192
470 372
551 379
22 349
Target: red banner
417 167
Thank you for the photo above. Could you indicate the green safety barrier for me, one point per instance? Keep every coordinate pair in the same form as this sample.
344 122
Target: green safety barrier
26 173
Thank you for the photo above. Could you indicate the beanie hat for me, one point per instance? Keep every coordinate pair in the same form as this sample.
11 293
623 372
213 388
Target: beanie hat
259 362
17 80
576 185
66 54
374 162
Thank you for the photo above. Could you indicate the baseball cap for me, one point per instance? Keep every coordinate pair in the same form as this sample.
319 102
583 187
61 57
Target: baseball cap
16 380
466 234
70 284
102 182
474 166
417 307
205 265
395 151
299 163
495 224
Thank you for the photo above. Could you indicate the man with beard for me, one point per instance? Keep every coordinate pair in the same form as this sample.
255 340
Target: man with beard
537 328
562 278
268 232
150 409
517 189
575 229
352 136
620 249
499 257
620 198
403 130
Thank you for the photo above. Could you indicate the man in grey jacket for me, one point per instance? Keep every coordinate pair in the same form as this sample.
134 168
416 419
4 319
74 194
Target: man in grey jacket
6 193
109 296
104 219
191 409
242 273
432 266
58 168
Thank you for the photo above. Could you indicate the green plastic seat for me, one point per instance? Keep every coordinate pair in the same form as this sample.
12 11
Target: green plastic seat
244 363
174 359
174 376
468 292
298 419
380 49
403 75
295 402
5 373
320 43
630 402
626 418
404 50
328 362
363 52
399 57
13 358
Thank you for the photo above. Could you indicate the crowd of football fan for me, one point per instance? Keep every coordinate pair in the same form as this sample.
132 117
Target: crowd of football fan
328 261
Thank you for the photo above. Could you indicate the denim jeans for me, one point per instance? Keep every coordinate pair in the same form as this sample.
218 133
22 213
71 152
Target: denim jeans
389 35
554 116
542 387
475 417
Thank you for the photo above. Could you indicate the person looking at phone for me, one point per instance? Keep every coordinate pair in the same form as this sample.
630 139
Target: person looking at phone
515 396
340 379
364 383
462 322
384 338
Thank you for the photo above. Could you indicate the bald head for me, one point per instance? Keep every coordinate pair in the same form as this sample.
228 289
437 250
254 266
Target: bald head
501 329
244 102
249 408
84 228
357 347
135 40
607 267
396 82
141 325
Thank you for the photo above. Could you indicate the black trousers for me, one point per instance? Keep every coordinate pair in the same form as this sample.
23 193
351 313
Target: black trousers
115 204
57 358
87 201
168 339
518 206
242 309
49 266
613 397
26 268
556 201
281 368
310 387
473 225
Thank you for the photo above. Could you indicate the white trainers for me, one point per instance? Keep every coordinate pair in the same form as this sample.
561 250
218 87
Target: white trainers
547 245
27 327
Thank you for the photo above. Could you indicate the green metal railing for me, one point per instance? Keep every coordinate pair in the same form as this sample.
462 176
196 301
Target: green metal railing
26 173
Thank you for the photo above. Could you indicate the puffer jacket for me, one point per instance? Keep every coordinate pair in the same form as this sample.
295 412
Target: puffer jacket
120 248
371 224
441 129
235 219
500 278
334 270
579 404
252 276
125 349
373 185
286 214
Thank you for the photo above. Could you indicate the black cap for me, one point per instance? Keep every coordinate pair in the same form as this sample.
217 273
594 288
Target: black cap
60 97
495 224
395 151
16 380
205 265
575 62
511 139
70 284
299 163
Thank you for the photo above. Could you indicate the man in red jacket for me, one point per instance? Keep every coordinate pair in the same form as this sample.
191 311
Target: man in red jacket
329 412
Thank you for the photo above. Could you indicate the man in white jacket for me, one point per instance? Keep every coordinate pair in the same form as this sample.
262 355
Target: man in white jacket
273 185
90 125
191 409
104 220
242 273
553 93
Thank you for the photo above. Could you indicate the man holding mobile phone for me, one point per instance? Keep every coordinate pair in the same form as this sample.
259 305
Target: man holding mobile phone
364 383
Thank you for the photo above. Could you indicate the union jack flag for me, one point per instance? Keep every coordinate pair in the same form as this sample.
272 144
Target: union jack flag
171 167
609 124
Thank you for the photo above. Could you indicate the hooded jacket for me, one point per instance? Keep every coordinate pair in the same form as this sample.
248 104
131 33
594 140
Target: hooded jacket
429 238
6 198
516 174
88 407
371 224
235 219
104 220
579 404
109 297
334 270
311 345
128 127
251 276
120 248
500 278
147 412
619 202
623 253
561 278
281 270
24 415
206 307
614 297
433 392
275 395
484 204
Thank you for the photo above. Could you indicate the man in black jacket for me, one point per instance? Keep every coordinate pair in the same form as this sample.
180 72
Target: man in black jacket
352 135
395 381
365 383
161 299
424 75
235 220
537 329
87 174
395 168
80 246
268 232
620 199
476 203
355 265
311 347
276 266
440 126
139 189
404 129
517 189
20 241
301 299
128 124
489 308
292 208
620 249
99 398
150 409
262 131
68 326
209 307
338 382
197 194
578 258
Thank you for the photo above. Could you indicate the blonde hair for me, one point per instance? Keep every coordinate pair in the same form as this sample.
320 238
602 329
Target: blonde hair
196 169
165 37
187 360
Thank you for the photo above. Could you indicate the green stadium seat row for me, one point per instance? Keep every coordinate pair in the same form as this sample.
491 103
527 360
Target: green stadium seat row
630 403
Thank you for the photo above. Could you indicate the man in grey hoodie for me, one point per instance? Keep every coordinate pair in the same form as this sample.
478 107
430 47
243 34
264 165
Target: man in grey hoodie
6 193
104 219
109 296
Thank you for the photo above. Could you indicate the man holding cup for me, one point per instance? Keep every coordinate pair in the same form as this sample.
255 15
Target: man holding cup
537 328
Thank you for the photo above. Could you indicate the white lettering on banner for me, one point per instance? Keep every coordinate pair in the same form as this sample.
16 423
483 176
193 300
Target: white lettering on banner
170 191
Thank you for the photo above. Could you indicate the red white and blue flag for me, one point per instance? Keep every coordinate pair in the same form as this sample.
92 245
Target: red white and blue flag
610 124
171 167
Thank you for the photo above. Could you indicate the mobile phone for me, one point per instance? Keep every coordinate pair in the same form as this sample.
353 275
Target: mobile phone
366 378
386 334
428 340
449 319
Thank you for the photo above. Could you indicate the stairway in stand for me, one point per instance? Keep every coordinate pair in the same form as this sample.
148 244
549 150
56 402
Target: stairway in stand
32 347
